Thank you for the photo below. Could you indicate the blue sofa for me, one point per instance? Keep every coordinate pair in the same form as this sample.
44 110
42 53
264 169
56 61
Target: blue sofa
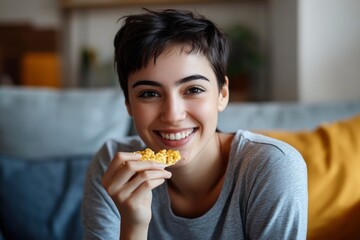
48 137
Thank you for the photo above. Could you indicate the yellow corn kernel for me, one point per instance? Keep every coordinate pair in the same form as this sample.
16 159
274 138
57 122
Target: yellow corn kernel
167 157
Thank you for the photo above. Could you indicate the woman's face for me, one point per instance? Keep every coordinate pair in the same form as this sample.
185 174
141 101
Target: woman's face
175 102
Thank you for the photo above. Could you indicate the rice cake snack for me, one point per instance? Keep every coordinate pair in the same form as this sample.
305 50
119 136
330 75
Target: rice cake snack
166 157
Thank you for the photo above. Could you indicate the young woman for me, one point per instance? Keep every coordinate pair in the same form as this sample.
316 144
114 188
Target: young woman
172 69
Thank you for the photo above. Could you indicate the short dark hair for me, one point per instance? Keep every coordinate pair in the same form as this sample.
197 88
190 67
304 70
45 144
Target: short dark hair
145 36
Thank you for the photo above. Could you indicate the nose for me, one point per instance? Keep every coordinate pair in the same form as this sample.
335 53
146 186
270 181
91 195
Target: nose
173 109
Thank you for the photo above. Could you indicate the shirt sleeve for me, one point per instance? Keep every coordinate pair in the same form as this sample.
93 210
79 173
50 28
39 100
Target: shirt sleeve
101 219
277 197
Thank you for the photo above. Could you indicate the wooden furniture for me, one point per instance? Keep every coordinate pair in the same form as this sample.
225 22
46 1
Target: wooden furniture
19 43
80 4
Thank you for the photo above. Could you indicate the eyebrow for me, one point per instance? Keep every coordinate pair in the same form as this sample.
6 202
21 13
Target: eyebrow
181 81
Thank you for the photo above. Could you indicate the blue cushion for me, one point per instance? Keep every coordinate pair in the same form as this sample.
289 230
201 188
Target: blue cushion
284 115
41 198
42 122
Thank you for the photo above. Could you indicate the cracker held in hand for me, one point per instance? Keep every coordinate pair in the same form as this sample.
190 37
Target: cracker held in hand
166 157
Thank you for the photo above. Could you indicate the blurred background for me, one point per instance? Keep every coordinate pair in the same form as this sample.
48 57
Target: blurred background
299 50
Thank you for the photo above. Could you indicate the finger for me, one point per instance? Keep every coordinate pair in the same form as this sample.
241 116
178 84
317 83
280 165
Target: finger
141 178
143 190
117 162
140 194
125 172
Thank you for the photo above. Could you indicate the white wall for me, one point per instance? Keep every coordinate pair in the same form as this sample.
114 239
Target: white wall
329 50
41 13
315 50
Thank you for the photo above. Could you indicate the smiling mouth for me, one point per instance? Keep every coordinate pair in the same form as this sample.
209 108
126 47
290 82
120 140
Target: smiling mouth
176 136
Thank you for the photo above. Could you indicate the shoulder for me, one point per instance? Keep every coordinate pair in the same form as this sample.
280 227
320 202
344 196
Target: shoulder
271 177
103 157
126 144
100 215
260 155
264 147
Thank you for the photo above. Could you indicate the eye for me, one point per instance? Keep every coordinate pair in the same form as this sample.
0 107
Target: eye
194 91
149 94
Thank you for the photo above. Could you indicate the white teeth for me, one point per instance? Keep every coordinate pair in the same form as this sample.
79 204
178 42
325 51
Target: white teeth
176 136
172 136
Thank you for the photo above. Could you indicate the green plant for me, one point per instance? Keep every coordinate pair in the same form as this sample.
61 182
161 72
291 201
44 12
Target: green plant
245 57
244 65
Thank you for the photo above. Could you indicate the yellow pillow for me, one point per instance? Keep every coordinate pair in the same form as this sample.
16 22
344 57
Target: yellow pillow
332 155
41 69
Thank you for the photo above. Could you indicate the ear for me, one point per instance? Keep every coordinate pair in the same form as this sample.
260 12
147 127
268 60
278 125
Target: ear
223 95
128 107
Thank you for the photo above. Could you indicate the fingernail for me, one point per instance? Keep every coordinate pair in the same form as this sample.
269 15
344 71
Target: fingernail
169 174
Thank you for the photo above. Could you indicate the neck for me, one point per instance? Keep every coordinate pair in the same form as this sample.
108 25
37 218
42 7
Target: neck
195 187
204 174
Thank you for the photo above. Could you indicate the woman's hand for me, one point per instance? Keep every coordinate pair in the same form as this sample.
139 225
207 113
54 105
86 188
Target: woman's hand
129 183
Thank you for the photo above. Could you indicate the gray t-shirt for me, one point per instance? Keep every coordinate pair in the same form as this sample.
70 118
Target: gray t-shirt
264 196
